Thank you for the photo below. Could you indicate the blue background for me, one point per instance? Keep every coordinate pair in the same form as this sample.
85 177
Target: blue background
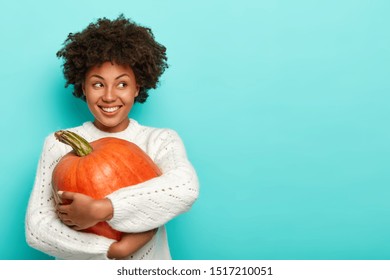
283 107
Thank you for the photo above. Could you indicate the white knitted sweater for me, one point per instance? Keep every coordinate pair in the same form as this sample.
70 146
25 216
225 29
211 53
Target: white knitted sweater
137 208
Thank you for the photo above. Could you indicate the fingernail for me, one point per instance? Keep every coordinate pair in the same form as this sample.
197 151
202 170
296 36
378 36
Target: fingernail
60 192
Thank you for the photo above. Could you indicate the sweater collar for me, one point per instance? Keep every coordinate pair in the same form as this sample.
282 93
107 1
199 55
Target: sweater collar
96 133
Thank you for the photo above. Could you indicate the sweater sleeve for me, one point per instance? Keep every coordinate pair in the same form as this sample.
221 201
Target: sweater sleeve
44 231
153 203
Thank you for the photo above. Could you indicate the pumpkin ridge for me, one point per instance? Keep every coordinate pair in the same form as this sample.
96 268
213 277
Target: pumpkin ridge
146 159
143 172
114 163
112 176
76 174
71 176
107 182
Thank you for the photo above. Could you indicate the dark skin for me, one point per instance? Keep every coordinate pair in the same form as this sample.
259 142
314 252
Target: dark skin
97 62
98 210
105 86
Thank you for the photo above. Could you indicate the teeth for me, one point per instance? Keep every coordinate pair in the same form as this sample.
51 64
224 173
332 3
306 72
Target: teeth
110 109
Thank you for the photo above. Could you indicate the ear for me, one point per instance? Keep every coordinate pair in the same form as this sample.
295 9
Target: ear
137 92
83 87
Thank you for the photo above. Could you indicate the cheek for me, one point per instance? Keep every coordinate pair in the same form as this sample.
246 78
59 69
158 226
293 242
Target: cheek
90 97
129 97
91 107
129 103
91 103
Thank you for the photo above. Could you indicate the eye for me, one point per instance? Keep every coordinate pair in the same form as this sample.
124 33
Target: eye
97 85
122 85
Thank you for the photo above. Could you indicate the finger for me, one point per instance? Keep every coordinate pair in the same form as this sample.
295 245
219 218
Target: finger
76 227
63 209
70 224
57 198
61 214
66 195
65 219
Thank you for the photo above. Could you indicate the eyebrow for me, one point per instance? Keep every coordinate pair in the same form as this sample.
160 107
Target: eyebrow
100 77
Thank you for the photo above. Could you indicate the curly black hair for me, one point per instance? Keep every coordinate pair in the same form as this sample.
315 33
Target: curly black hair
120 41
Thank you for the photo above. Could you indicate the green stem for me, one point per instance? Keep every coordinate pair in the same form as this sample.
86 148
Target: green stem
79 145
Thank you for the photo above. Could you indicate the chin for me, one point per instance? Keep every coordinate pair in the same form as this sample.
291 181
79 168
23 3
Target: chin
112 125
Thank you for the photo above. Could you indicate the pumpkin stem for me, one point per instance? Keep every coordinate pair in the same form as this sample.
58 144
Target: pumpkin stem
79 145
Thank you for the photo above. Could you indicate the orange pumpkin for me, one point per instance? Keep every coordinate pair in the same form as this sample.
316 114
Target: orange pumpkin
99 168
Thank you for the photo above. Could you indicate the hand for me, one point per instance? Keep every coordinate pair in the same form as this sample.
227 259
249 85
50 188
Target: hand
129 244
80 211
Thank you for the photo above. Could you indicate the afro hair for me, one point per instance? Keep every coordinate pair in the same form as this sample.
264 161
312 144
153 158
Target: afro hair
120 41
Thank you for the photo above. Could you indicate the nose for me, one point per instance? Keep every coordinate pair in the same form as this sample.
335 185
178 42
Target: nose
109 95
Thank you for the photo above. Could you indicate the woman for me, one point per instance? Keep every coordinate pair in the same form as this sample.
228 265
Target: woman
112 64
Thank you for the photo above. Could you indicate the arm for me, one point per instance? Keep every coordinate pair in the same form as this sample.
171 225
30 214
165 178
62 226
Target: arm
88 211
147 205
129 244
44 230
153 203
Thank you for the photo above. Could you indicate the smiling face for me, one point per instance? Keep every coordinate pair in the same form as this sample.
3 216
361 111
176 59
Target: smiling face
110 90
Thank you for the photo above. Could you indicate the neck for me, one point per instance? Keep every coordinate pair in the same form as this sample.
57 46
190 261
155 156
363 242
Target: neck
112 129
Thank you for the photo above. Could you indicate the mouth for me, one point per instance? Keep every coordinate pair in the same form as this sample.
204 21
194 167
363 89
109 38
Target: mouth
110 110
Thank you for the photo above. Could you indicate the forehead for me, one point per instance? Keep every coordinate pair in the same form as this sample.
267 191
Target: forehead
109 70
